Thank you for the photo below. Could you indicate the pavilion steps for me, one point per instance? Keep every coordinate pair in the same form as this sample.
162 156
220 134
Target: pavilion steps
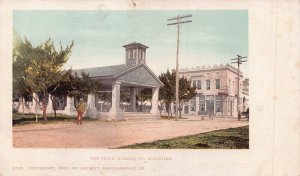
133 116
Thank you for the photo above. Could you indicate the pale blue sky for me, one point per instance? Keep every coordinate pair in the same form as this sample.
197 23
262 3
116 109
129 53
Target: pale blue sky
214 36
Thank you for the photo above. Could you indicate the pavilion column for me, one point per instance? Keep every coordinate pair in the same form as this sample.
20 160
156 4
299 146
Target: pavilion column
91 107
133 99
70 108
115 112
155 111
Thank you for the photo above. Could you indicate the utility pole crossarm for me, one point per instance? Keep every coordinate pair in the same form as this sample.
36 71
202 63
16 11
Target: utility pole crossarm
240 62
179 17
179 22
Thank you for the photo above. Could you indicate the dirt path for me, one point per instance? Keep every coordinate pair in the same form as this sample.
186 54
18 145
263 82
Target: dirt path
97 134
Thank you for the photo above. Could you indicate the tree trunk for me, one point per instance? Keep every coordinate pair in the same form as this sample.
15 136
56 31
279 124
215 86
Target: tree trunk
171 111
36 115
54 112
36 112
23 106
160 109
34 100
179 109
168 109
44 108
54 103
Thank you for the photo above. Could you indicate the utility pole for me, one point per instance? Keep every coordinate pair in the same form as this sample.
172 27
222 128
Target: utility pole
178 22
239 60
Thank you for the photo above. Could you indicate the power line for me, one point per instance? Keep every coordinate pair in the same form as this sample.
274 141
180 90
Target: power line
239 60
178 22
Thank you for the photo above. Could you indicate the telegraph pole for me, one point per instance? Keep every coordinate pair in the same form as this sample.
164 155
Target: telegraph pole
178 22
239 60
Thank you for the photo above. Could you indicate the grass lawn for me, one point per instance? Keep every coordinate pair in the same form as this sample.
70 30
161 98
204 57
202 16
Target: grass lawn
19 119
231 138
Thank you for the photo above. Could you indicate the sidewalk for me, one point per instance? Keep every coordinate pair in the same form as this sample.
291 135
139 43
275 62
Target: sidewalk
99 134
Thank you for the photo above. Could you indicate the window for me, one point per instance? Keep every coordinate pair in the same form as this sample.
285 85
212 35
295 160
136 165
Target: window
130 54
207 84
233 85
198 84
217 83
194 83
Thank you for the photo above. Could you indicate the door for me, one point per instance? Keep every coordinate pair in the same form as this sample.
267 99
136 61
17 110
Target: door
210 107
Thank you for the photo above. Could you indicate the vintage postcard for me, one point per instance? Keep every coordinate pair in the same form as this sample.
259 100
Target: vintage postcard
149 88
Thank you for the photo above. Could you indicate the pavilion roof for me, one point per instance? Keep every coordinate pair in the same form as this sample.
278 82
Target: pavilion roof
105 71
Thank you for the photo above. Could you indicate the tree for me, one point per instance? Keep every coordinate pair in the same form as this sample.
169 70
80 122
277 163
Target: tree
167 92
105 97
124 96
144 95
186 91
73 85
81 85
38 68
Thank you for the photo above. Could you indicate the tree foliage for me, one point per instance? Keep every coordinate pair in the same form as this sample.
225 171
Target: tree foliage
20 63
73 84
186 91
38 68
167 92
124 95
144 95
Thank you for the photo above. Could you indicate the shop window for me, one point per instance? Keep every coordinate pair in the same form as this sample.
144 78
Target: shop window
218 103
202 103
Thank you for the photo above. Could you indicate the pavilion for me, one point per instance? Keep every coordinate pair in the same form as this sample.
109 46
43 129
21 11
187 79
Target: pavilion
131 75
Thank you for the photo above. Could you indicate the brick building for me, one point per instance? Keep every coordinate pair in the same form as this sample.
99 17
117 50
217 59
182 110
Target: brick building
216 91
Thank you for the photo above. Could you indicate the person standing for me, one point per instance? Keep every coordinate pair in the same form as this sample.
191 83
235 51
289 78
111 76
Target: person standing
80 108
